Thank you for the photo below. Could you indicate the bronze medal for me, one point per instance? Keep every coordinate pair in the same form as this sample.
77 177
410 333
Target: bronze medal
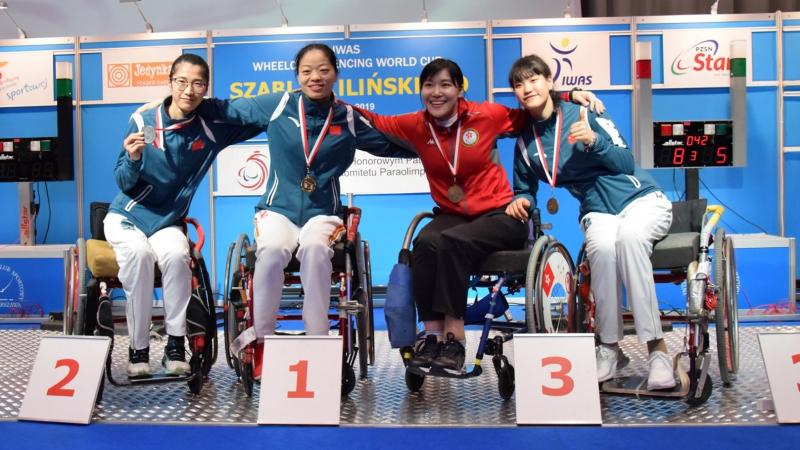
455 194
308 184
552 205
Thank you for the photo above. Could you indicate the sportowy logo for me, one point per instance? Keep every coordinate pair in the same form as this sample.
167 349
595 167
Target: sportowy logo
703 56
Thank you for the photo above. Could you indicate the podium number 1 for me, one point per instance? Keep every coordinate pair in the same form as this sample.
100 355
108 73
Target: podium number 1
57 390
300 390
567 383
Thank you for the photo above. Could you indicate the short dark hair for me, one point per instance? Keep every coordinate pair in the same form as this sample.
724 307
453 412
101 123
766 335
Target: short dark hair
327 51
439 64
528 66
190 58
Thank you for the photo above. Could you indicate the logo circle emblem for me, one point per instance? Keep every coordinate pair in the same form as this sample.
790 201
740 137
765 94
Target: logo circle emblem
470 137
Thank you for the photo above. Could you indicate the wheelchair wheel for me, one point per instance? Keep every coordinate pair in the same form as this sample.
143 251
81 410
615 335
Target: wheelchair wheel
362 319
237 254
726 312
203 293
348 379
247 378
530 282
414 382
580 312
505 381
553 289
75 306
370 306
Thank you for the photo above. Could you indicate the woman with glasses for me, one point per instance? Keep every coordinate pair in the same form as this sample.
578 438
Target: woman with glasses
166 152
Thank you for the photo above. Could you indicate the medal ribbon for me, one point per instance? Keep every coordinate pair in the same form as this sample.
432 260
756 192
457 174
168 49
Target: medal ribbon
310 155
556 150
454 166
159 142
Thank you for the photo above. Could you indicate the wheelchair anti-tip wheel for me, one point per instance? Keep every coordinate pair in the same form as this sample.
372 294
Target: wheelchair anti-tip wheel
505 381
726 312
414 382
348 379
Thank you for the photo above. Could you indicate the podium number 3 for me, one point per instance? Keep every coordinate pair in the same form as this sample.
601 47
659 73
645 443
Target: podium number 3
57 390
567 383
301 388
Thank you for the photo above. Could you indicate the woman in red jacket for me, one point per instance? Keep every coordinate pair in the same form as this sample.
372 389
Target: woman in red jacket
456 141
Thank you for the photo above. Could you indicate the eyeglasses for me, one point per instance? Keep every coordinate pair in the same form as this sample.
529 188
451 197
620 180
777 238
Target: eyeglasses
181 83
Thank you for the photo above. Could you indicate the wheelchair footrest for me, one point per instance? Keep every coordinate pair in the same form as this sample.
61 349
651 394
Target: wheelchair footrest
637 385
469 372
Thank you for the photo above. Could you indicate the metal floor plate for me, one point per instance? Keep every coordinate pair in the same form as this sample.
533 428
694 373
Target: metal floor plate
383 399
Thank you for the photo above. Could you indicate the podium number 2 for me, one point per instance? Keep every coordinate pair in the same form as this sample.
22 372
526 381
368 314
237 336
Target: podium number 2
567 383
300 389
57 390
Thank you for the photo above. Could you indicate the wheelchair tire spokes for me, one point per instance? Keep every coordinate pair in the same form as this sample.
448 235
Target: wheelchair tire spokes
554 281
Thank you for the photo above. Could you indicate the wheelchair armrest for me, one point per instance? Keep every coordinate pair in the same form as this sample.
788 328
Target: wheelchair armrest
412 227
201 237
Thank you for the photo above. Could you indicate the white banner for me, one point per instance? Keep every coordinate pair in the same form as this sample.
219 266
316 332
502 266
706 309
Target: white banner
701 57
244 169
134 75
576 59
26 79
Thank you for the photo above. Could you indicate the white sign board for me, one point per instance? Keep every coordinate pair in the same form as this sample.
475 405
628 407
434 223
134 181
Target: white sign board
576 58
244 170
65 378
26 79
701 57
137 74
301 380
556 379
781 353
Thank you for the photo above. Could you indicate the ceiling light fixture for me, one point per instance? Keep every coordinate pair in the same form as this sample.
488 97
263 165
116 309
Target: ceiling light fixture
147 25
20 32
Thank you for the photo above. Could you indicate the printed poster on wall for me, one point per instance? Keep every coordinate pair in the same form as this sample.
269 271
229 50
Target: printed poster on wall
243 170
701 57
380 75
576 59
134 75
26 79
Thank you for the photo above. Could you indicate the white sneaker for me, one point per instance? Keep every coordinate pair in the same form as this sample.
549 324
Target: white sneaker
176 368
607 361
139 370
662 375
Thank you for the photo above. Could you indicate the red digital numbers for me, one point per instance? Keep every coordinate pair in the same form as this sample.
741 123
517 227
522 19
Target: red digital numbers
567 383
696 140
722 156
301 388
677 156
57 390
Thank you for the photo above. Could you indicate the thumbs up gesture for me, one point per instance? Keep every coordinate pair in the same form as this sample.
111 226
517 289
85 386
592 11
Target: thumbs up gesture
581 131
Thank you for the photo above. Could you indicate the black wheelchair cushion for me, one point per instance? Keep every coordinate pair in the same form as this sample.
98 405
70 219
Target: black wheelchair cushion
97 212
506 261
676 251
681 246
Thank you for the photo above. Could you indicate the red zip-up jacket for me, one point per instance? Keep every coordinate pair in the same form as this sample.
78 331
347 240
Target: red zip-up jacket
479 172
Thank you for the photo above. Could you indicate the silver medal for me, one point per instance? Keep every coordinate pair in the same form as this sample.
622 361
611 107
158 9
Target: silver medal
149 134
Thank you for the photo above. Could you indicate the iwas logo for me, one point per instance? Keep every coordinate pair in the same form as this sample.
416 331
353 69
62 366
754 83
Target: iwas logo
563 62
701 57
12 290
253 174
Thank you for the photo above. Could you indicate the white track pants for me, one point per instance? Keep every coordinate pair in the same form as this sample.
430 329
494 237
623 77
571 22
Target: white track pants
276 238
619 249
136 256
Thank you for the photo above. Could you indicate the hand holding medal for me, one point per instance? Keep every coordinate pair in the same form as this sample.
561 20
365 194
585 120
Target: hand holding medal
134 143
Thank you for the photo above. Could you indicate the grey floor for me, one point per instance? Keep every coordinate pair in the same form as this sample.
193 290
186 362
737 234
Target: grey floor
382 399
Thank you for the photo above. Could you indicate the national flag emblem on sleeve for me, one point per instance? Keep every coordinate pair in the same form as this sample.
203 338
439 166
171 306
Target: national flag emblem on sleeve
336 130
198 145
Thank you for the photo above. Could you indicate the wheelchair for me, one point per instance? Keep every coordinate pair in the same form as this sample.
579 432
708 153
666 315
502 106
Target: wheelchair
683 255
544 270
88 309
353 302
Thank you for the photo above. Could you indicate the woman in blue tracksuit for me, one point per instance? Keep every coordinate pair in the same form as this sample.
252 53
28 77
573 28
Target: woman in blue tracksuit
166 152
623 211
313 138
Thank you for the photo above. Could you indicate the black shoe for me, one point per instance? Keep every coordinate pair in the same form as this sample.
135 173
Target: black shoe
451 357
426 352
139 363
174 360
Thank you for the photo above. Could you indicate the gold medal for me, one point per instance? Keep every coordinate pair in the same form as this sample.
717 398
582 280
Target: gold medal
552 205
455 194
308 184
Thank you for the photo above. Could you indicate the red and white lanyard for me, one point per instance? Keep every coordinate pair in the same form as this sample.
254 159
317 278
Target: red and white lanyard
556 150
310 155
454 165
159 141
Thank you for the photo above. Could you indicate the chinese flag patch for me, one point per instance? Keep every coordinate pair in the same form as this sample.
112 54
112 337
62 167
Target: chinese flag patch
335 130
198 145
